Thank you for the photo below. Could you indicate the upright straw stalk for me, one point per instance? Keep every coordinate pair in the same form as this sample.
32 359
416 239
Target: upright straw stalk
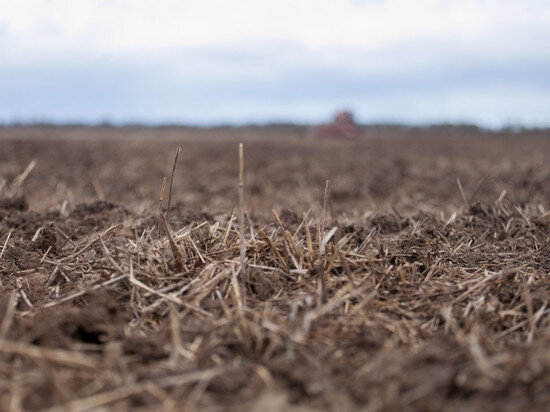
241 208
161 200
172 182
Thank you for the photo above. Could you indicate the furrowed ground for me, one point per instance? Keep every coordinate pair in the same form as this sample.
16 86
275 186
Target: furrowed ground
421 282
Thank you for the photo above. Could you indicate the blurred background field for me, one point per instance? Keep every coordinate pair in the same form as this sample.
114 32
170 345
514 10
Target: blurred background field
386 168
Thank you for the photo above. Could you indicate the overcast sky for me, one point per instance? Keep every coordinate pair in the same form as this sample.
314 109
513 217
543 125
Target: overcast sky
217 61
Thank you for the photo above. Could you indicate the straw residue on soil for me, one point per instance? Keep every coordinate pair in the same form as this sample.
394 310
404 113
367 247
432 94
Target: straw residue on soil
384 310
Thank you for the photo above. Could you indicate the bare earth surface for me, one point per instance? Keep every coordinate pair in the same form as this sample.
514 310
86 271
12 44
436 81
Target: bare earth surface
421 282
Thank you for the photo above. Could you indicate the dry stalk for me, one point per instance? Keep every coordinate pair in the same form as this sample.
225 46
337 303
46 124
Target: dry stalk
177 343
237 289
18 181
105 398
63 357
98 189
8 317
165 296
289 243
178 256
161 200
5 244
309 243
324 216
88 245
241 211
172 182
464 198
23 294
76 295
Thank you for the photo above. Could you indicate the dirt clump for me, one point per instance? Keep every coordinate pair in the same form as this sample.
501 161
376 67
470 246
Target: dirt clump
18 203
20 256
46 240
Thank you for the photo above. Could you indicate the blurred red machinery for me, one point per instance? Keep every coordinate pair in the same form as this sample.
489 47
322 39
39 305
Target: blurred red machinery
343 126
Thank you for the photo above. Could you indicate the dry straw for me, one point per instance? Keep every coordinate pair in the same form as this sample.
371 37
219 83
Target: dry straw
241 210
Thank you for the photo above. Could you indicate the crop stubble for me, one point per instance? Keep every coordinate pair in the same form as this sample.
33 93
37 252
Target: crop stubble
401 292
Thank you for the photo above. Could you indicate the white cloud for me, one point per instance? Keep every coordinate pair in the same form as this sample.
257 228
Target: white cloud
125 25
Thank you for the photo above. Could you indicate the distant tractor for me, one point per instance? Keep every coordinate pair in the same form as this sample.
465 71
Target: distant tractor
343 126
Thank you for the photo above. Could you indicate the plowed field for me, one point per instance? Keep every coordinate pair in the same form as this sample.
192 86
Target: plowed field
405 270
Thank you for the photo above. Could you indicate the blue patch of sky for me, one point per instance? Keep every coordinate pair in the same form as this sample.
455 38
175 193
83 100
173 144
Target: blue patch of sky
416 83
